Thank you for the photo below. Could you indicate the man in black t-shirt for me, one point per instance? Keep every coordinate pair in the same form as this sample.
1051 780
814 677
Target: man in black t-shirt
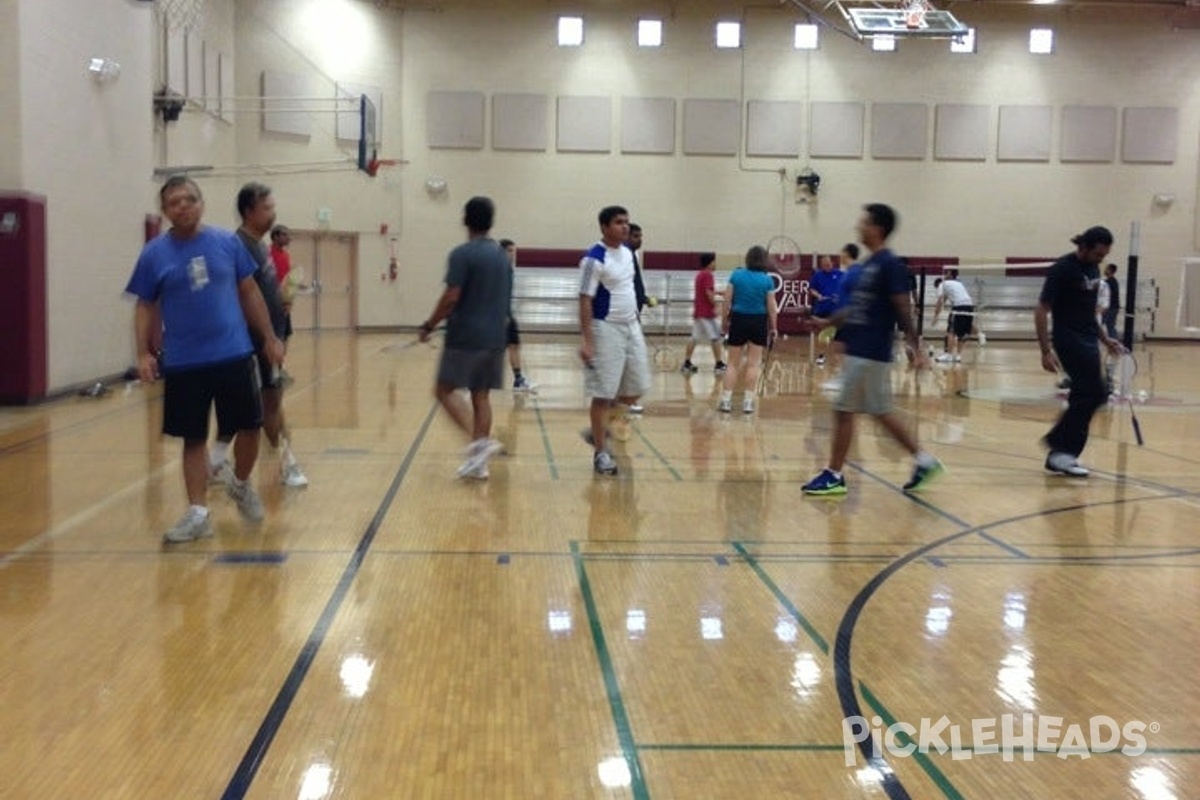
1069 295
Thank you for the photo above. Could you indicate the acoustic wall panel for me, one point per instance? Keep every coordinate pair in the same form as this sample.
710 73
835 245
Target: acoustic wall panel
584 124
836 130
900 130
1150 135
1089 133
519 122
647 125
1025 133
961 133
454 120
773 128
711 127
285 89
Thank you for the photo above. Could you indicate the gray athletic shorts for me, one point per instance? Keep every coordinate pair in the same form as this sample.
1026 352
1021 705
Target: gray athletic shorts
474 370
866 386
619 366
705 330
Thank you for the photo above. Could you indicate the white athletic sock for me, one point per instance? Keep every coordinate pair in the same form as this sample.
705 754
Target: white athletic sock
218 451
726 396
285 452
199 511
924 459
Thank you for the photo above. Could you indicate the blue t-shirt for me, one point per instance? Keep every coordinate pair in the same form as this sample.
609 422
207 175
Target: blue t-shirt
195 283
750 290
871 321
849 281
829 286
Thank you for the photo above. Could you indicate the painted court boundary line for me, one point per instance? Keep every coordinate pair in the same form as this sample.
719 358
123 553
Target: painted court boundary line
244 775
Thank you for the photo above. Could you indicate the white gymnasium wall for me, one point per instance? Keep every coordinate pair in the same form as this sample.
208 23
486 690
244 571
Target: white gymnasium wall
11 173
91 148
977 210
87 147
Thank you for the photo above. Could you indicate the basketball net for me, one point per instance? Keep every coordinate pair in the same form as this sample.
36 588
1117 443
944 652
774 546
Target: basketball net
179 14
914 14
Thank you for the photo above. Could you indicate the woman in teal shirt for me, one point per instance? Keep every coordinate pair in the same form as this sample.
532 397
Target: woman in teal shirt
750 324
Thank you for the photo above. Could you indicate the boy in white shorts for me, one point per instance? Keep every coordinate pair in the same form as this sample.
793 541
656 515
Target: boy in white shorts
613 349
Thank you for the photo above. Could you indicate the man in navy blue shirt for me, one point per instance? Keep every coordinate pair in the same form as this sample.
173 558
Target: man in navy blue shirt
1069 295
879 303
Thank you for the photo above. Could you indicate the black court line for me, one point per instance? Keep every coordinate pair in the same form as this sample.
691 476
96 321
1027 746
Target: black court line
842 666
244 775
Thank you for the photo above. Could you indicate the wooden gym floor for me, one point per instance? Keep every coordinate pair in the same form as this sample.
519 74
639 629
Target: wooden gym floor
694 628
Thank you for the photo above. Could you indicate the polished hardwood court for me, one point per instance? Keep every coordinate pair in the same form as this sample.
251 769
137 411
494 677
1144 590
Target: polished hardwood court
692 628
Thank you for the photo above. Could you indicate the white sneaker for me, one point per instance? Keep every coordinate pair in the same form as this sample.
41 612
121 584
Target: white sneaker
478 453
748 405
725 406
291 475
220 474
479 472
248 503
833 386
1065 464
982 338
193 525
943 358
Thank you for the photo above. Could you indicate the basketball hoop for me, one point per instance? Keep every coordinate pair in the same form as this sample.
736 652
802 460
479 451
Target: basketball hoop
375 163
179 14
914 15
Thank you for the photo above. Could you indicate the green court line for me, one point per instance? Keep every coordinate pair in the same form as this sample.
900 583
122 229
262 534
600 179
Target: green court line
747 748
537 411
935 774
659 456
611 687
782 598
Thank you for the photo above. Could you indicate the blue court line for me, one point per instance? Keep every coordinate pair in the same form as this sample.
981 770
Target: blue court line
537 412
612 688
782 598
249 557
659 456
243 776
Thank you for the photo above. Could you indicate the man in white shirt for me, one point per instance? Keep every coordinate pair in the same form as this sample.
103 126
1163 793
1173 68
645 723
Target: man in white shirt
962 314
613 349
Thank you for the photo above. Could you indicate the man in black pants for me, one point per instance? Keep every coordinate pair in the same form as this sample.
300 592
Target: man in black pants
1069 295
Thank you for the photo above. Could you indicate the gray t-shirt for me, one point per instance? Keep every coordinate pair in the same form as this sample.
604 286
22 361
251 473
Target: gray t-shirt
479 320
268 284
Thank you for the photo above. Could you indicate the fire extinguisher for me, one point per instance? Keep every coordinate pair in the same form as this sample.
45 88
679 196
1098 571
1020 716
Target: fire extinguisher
393 264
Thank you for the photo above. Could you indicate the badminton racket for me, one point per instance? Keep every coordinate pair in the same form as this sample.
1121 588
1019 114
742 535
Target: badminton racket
1126 371
765 367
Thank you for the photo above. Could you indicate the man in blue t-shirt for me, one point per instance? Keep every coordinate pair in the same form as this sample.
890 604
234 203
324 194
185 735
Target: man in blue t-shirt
825 289
880 301
1069 295
195 287
477 302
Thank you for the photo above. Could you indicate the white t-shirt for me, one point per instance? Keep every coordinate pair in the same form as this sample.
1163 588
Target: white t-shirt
955 293
606 276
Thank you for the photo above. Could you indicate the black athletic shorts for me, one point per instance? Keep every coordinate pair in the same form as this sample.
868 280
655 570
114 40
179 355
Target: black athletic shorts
747 328
514 333
189 395
961 319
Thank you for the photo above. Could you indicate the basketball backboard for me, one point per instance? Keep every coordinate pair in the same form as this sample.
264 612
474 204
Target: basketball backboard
870 21
368 135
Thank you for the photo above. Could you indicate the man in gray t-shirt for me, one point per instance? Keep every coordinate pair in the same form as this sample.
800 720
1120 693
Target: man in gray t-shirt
476 303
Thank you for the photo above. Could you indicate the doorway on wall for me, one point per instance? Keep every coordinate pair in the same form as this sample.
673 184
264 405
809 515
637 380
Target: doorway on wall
327 263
